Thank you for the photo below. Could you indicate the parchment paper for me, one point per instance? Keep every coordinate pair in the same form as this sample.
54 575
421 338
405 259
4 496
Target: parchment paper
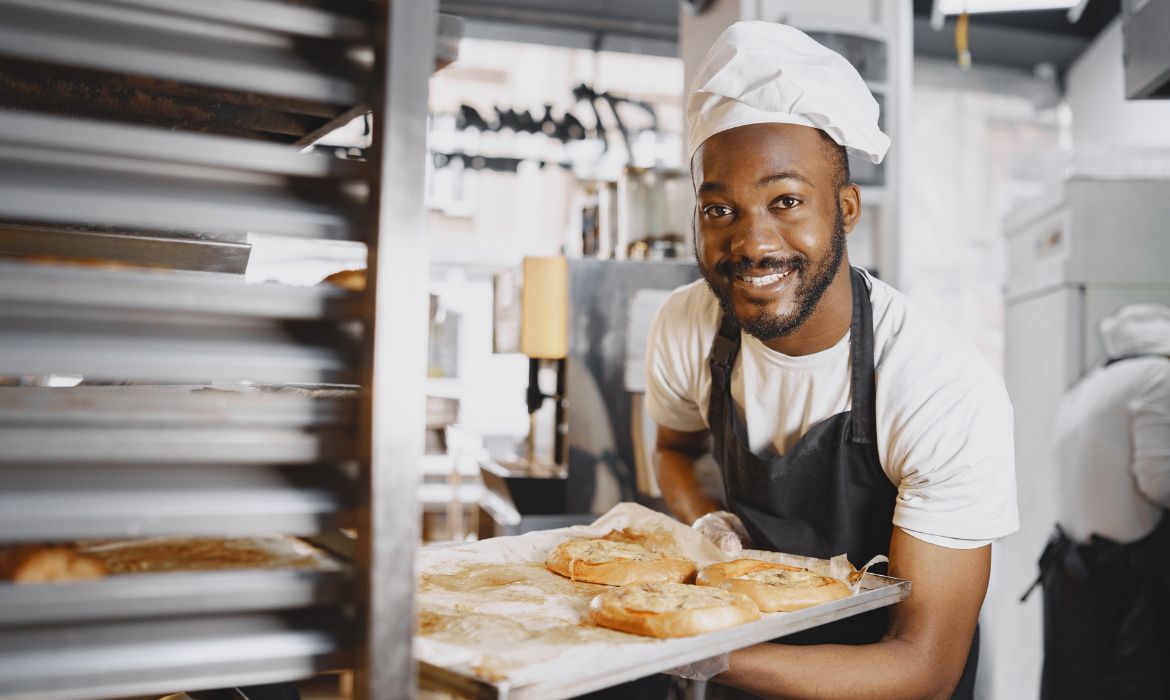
491 609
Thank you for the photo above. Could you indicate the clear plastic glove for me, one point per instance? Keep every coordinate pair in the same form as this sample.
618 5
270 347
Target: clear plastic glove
704 669
725 530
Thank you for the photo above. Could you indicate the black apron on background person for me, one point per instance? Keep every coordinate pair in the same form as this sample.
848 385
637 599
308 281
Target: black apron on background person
1106 617
825 496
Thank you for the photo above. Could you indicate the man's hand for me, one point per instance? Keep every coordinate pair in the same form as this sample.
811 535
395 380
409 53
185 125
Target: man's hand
922 654
675 454
701 670
725 530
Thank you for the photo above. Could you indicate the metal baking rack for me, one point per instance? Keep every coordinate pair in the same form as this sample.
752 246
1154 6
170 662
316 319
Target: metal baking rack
141 142
637 661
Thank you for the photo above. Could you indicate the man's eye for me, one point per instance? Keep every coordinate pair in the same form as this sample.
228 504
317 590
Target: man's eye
787 202
716 210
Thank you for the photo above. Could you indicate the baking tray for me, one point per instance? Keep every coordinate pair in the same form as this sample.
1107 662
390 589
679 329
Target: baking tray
156 656
314 579
636 662
149 595
500 625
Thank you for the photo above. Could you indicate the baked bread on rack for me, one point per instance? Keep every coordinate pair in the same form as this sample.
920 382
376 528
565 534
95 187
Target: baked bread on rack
353 280
35 564
671 609
774 587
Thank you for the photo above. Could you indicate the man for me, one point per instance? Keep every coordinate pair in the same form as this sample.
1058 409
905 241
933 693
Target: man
1106 572
844 420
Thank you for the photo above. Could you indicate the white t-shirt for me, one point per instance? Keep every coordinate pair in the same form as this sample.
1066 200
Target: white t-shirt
1112 448
944 421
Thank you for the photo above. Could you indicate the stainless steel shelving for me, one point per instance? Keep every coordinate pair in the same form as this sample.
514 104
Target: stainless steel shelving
141 142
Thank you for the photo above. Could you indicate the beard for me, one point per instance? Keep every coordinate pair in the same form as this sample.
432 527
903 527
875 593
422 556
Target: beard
815 278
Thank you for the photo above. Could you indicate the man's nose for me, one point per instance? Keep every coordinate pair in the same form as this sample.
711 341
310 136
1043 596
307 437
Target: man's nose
756 237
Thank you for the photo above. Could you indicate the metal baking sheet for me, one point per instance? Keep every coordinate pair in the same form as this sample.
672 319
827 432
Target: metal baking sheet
875 592
151 657
183 576
80 291
52 502
187 593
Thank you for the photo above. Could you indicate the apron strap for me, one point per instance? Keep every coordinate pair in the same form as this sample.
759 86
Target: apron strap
1123 358
723 353
863 421
726 345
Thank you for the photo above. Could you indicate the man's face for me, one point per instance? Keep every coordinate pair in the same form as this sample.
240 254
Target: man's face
769 230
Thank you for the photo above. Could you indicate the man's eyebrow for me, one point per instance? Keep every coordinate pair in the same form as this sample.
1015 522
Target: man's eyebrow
764 181
776 177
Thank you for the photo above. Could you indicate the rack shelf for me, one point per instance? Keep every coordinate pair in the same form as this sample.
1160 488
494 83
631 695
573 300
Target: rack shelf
119 659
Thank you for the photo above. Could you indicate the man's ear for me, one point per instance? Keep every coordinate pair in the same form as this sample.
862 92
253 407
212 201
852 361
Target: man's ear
850 200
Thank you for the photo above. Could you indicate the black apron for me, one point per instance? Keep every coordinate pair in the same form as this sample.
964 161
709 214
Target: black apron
1106 616
828 495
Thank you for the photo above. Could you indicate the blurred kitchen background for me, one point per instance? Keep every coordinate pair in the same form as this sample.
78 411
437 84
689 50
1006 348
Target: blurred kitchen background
526 211
1024 199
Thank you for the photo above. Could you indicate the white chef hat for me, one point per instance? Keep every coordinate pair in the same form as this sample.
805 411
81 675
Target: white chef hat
1137 329
763 72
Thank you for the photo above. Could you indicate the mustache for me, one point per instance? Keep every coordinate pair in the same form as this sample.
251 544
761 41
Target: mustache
742 265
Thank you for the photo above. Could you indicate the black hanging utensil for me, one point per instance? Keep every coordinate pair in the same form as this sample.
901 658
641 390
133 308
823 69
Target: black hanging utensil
548 126
469 118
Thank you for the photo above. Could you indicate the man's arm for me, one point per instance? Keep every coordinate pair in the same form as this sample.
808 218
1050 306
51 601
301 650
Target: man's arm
1151 440
675 455
922 654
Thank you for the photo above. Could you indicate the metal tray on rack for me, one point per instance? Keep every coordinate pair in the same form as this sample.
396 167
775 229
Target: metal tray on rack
635 661
294 575
188 593
160 655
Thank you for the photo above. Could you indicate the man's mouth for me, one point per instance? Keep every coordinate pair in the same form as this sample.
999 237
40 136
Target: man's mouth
759 281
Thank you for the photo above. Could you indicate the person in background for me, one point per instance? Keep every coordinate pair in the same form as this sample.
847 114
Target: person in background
1106 572
843 417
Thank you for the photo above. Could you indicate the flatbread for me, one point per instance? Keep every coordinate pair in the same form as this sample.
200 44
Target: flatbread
167 554
74 561
655 540
774 587
671 609
600 560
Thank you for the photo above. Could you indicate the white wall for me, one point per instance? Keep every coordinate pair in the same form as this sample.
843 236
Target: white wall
977 136
1096 93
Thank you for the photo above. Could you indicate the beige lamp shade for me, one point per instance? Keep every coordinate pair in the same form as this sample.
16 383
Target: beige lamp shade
544 308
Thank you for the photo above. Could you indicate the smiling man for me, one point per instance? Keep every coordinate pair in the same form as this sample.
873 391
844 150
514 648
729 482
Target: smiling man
843 418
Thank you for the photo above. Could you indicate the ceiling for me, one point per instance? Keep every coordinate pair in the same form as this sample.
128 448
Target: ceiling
1020 40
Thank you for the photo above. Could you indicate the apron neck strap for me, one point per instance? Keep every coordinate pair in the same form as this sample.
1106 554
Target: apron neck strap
863 422
1123 358
725 347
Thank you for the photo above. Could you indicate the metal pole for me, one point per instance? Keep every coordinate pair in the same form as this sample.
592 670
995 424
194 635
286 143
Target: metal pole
394 406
